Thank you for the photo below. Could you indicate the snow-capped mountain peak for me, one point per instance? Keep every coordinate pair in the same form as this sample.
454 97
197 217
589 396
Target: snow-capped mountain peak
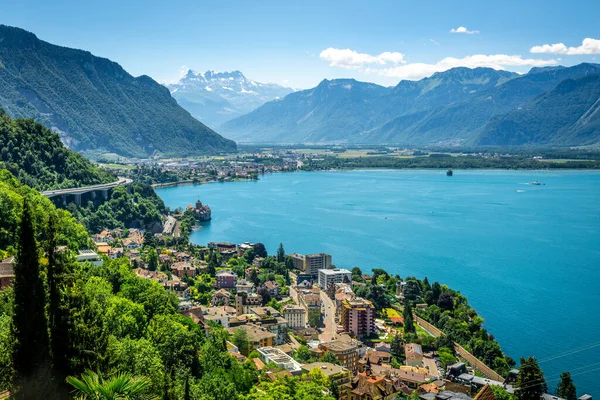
216 97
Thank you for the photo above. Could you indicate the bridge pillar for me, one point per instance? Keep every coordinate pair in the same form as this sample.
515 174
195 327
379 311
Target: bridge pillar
64 199
77 199
93 195
105 194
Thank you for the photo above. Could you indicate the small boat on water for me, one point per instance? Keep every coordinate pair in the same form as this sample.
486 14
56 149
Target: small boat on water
449 172
534 183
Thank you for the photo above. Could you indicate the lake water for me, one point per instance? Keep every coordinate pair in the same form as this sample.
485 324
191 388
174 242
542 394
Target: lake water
527 257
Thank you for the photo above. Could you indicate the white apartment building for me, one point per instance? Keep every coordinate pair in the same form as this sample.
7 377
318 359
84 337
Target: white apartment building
337 275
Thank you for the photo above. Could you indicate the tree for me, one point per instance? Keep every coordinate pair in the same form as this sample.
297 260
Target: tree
152 260
121 387
501 394
412 290
303 354
397 346
446 356
566 387
57 312
432 296
289 263
260 250
186 390
377 272
280 253
446 302
357 274
241 341
254 277
31 349
330 358
408 319
250 255
531 383
265 294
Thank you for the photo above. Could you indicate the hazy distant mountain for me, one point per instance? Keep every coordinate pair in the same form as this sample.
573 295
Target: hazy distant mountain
451 107
94 103
461 122
331 112
217 97
568 115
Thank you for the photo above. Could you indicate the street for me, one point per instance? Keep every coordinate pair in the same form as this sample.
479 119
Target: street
328 333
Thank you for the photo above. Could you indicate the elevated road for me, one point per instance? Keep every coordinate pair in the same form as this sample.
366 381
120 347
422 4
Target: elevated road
93 189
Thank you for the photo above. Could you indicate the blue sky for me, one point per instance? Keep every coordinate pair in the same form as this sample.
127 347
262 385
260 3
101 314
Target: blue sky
299 43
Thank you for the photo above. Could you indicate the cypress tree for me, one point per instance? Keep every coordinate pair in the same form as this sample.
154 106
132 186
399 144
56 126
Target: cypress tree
280 253
57 313
186 391
566 387
396 347
31 350
409 325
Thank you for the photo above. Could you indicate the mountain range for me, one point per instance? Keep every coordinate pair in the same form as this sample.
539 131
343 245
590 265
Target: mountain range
217 97
94 104
461 106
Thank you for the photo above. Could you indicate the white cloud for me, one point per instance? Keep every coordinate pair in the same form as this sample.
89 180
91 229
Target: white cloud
415 71
588 46
183 70
462 29
346 58
434 42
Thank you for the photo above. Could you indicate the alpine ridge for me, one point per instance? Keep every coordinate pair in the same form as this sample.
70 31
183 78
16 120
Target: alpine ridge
94 104
217 97
460 106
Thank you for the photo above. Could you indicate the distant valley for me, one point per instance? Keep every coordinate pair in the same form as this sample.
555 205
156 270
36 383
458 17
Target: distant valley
217 97
554 106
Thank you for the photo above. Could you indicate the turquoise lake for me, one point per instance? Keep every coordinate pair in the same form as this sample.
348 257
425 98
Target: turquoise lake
527 257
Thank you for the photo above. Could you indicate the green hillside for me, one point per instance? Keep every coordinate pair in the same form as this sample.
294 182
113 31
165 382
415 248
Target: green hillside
36 156
94 103
568 115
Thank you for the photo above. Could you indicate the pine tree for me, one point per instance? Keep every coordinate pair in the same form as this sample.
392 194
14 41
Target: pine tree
531 383
566 387
396 348
30 351
57 312
409 325
280 253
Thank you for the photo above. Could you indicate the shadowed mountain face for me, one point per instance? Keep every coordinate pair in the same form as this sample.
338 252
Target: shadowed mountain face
217 97
95 104
458 106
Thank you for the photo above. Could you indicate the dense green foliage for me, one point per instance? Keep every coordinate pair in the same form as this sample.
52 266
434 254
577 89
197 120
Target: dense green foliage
531 383
451 107
132 206
450 312
36 156
12 193
95 103
312 386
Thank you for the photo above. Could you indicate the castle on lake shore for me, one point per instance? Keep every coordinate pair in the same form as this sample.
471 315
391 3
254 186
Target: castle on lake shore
201 212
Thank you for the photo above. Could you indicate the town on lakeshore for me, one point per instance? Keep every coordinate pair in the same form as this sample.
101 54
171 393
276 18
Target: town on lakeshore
403 206
369 335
